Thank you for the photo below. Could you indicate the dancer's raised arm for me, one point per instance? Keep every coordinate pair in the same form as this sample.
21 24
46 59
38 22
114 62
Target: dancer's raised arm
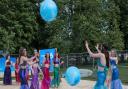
28 59
95 55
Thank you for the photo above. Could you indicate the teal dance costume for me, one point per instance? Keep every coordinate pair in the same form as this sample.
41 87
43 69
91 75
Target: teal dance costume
101 77
56 79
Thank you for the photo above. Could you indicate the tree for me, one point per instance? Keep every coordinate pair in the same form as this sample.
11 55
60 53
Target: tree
123 5
110 25
7 38
97 21
18 17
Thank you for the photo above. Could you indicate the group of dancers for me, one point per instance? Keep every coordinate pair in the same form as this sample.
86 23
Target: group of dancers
22 71
108 73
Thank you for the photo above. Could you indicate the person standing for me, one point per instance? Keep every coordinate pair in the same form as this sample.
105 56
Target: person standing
7 73
23 62
35 73
102 68
115 81
45 84
17 71
56 78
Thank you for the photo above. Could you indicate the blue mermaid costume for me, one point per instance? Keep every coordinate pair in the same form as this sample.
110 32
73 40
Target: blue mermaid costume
101 77
23 76
115 82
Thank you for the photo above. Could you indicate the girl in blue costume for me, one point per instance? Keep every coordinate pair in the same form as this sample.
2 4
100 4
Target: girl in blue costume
101 74
23 62
115 81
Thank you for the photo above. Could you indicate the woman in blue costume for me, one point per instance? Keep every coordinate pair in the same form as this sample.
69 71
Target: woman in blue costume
101 74
115 81
7 73
23 62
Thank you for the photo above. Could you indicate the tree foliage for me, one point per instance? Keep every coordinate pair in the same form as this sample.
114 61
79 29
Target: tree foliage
98 21
94 20
17 17
123 5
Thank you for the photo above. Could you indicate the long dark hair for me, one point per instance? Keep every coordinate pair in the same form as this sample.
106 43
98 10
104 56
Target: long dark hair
21 53
17 60
56 56
106 53
46 56
7 56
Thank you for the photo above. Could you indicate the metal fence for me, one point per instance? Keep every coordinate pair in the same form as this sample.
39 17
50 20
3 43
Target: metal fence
123 56
77 59
83 59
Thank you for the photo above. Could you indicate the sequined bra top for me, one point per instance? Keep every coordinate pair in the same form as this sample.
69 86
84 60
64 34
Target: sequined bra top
23 65
101 65
56 61
112 62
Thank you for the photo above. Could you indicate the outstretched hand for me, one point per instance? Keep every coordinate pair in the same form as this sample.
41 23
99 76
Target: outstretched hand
37 54
62 62
97 46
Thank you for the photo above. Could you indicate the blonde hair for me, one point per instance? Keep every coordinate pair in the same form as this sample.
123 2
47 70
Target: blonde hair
114 52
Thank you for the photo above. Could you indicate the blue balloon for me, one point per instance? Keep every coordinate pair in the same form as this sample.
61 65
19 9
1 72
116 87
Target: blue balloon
48 10
72 76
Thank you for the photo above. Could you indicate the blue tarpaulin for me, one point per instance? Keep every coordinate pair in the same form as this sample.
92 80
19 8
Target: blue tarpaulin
2 63
42 56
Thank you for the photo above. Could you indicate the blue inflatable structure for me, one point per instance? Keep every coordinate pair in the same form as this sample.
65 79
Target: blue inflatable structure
2 63
42 57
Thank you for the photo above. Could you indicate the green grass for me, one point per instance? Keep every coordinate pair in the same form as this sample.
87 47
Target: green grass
123 74
123 69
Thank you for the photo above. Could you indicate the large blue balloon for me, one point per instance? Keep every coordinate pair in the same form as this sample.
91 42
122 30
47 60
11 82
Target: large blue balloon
48 10
72 76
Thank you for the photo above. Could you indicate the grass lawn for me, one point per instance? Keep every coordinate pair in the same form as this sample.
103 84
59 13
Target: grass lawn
123 74
123 69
